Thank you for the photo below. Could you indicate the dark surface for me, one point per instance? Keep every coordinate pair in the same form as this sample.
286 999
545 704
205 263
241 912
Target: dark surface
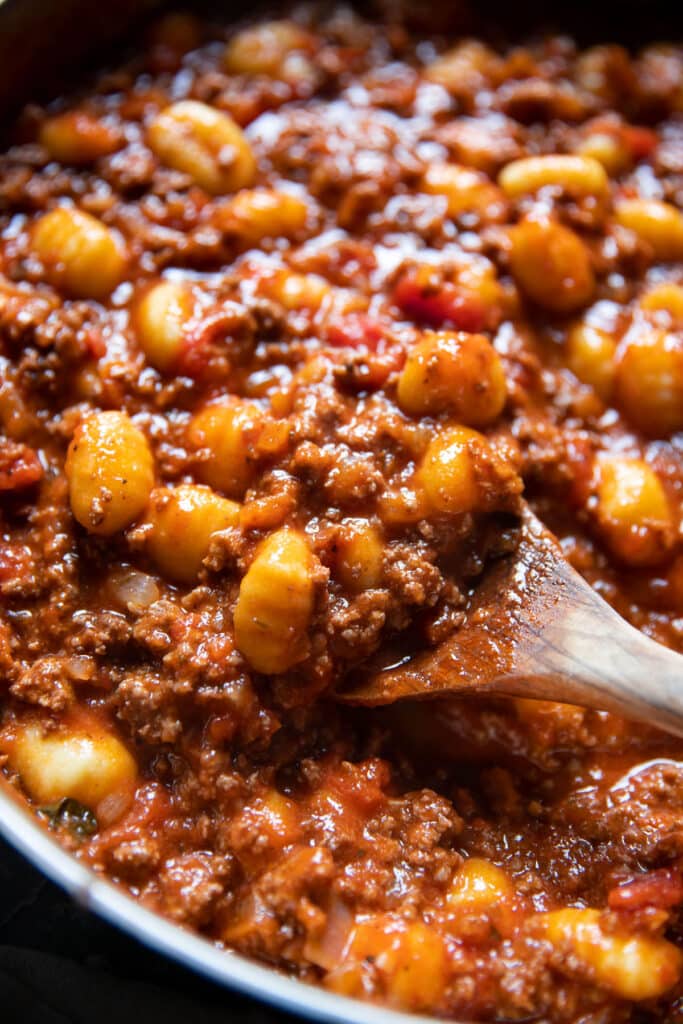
31 64
29 60
61 965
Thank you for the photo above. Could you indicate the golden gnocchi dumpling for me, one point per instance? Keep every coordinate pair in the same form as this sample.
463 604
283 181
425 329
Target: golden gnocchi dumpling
632 965
160 319
590 356
274 49
448 472
659 225
633 512
359 555
83 762
275 603
649 380
110 472
204 143
576 175
182 521
79 252
76 137
225 433
465 190
456 372
259 213
481 894
552 265
409 959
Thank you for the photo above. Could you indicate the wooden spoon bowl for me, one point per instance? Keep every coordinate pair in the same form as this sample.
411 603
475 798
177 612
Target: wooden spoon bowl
534 628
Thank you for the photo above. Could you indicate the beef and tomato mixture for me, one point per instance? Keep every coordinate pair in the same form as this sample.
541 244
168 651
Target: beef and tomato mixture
292 314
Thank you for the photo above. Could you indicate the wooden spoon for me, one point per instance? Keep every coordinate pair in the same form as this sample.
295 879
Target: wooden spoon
535 628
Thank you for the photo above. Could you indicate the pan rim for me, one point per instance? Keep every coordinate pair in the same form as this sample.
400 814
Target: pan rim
222 966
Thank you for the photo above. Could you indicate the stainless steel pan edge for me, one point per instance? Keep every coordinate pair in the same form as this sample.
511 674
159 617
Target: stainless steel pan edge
21 830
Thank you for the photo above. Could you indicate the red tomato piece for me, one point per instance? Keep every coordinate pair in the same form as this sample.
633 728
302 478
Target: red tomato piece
362 784
148 812
662 888
95 344
19 467
641 141
353 331
202 336
444 305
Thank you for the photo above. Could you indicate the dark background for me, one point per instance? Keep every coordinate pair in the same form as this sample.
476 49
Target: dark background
62 965
43 42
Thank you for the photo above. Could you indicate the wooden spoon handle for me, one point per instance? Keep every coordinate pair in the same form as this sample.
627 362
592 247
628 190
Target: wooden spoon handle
585 653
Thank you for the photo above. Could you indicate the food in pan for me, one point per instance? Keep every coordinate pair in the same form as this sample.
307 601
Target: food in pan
292 314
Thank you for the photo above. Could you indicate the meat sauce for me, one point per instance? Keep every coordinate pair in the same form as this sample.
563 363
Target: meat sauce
291 315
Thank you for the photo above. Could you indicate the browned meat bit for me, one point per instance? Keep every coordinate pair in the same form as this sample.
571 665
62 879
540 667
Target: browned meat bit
47 683
192 884
19 466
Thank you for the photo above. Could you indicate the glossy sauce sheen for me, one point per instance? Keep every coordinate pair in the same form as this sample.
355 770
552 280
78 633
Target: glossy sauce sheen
290 317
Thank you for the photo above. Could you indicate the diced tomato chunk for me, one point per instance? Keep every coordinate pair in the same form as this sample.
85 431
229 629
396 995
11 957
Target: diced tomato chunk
386 361
95 344
662 888
369 371
219 325
439 305
363 785
641 141
354 330
375 356
149 811
19 467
